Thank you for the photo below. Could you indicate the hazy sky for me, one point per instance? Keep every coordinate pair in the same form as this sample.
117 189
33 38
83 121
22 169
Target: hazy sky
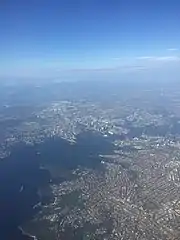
46 37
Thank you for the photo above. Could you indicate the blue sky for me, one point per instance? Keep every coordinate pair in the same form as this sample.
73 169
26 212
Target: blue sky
45 38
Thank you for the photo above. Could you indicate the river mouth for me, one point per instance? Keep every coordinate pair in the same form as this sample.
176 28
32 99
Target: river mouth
26 174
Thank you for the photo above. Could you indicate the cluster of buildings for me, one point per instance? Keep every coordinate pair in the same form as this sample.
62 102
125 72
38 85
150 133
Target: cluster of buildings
137 187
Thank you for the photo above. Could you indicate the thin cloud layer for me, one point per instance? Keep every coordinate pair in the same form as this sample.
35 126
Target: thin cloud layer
159 58
173 49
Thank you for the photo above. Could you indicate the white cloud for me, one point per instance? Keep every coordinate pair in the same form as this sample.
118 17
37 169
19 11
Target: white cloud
159 58
168 58
173 49
145 58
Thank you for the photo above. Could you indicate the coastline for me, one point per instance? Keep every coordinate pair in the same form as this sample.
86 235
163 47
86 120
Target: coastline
27 235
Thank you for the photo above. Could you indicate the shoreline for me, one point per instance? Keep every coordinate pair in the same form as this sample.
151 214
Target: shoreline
27 234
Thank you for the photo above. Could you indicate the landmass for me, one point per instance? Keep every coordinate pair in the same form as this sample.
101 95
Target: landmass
95 160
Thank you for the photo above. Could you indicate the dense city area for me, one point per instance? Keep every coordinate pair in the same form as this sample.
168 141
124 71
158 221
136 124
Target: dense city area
120 175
